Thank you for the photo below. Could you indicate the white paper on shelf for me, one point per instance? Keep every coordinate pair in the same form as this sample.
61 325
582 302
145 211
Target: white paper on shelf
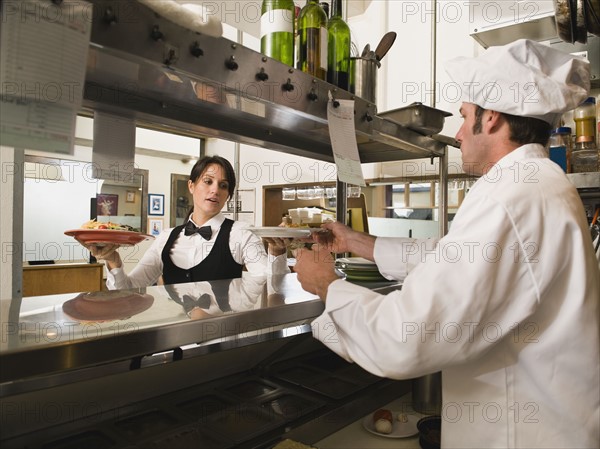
343 141
43 57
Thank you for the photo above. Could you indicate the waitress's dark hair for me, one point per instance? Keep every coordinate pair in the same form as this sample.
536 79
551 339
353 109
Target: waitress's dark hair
200 166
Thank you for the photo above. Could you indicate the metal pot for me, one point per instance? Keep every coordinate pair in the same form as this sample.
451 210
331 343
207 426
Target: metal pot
363 77
427 394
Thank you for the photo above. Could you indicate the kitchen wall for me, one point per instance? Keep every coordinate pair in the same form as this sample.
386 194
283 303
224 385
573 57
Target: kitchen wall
67 201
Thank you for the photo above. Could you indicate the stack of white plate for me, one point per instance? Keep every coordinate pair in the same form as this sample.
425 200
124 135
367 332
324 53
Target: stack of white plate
359 269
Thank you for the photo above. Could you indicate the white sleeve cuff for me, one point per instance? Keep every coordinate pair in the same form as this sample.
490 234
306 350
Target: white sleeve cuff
277 264
115 278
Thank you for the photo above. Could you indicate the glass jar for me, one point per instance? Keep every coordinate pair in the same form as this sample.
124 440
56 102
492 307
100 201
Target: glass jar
288 194
560 148
585 155
585 118
353 191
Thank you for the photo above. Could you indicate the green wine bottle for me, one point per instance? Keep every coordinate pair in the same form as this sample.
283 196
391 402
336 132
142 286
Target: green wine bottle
277 30
312 40
338 47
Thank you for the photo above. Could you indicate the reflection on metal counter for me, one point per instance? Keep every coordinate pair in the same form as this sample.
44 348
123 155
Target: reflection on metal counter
247 374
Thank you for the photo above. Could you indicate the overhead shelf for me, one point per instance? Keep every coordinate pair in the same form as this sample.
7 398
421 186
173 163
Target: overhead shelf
160 73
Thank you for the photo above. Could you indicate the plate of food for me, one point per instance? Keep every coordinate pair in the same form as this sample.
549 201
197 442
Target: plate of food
102 233
391 424
282 232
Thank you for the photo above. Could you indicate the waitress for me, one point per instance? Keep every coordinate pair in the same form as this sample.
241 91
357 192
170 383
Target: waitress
207 247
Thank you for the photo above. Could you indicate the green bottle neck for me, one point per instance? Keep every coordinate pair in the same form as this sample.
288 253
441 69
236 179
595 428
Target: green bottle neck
336 8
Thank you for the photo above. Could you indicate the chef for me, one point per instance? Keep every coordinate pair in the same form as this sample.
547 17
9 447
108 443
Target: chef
506 305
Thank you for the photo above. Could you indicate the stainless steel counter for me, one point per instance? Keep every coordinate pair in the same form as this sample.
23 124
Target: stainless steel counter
41 338
142 376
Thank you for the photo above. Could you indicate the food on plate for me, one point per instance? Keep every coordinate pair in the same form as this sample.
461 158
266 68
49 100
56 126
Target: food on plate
291 444
93 224
402 417
382 420
297 225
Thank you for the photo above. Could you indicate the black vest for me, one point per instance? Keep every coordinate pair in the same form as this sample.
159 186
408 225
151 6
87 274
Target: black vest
219 264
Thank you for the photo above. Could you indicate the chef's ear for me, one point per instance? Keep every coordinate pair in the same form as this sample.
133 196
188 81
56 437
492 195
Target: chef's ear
492 120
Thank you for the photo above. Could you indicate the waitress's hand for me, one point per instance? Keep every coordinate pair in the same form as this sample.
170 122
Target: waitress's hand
107 252
315 269
277 246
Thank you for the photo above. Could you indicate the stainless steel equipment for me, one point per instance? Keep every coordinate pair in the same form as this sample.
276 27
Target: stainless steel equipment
363 69
418 117
427 394
159 379
246 375
363 77
144 66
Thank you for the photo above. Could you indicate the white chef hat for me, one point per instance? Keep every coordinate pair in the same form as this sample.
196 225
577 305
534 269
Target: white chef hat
523 78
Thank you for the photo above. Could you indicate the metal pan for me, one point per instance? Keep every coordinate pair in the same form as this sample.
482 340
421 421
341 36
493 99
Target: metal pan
418 117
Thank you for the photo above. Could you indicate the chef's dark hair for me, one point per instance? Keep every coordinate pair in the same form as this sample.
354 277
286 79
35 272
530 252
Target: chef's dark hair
523 130
201 165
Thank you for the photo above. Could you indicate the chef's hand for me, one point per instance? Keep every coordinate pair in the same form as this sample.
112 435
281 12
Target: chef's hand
106 252
339 238
315 268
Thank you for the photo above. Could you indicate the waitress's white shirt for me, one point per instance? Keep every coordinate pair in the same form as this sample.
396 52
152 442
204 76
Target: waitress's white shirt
506 305
188 251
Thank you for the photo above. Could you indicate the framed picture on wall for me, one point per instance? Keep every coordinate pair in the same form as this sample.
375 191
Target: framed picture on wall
107 204
155 226
130 197
156 204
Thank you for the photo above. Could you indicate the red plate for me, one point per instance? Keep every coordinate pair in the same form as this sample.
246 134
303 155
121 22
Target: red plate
108 236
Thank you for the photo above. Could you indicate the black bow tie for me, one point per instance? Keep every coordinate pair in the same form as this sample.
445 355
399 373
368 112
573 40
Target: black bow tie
204 231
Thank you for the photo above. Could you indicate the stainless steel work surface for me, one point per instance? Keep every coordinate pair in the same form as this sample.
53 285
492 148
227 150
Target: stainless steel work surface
62 332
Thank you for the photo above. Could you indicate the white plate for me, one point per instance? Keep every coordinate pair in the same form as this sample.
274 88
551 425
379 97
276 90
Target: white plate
281 232
399 429
356 263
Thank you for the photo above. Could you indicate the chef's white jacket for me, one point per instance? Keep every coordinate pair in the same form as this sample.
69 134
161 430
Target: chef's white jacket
506 305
